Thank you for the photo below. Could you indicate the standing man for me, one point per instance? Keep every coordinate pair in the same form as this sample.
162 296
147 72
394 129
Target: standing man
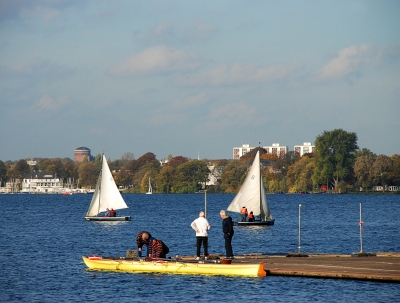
143 238
227 228
201 226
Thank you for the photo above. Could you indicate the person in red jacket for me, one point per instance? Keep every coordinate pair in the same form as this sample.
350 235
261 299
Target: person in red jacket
251 217
158 249
113 213
243 212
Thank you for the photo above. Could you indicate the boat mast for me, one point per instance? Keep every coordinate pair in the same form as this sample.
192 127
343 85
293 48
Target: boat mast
99 181
262 211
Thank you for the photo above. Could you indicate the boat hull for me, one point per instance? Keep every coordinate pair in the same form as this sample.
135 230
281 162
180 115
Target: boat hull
120 218
255 223
177 267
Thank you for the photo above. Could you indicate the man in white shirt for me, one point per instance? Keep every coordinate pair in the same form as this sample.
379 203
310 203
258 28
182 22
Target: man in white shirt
201 226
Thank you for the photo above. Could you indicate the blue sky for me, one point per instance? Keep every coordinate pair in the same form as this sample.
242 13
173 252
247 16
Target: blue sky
189 77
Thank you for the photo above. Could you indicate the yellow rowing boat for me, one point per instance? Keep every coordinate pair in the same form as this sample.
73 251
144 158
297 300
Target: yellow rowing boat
176 267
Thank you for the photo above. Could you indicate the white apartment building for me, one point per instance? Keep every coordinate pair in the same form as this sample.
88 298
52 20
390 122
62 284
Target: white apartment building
306 148
42 183
276 149
240 151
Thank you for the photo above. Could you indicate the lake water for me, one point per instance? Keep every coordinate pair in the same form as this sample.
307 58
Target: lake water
44 236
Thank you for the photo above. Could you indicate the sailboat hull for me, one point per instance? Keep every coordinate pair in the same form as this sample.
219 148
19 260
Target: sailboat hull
255 223
121 218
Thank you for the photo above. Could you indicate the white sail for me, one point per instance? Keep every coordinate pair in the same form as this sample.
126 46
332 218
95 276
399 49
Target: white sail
252 194
106 194
95 203
150 191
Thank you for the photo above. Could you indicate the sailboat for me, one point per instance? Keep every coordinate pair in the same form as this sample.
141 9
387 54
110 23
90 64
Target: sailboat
252 195
106 195
150 191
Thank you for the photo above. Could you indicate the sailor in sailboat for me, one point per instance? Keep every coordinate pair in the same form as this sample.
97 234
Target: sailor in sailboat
253 194
105 196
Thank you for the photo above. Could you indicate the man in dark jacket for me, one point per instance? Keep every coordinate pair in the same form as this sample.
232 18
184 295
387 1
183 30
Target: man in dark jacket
227 228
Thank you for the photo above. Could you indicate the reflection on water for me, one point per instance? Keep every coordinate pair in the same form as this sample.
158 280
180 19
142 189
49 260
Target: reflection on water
44 237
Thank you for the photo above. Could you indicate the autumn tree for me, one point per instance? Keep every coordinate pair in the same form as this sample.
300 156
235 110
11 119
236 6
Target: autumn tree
300 173
233 175
20 168
88 174
382 168
334 151
363 170
165 179
3 173
176 161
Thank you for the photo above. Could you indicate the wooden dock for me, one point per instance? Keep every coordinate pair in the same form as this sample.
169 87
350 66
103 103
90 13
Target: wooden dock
384 267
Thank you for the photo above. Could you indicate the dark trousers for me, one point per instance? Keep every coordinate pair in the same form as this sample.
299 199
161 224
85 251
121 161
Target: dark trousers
228 246
200 240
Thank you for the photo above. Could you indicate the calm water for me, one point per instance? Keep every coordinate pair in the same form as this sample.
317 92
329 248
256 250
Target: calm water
44 236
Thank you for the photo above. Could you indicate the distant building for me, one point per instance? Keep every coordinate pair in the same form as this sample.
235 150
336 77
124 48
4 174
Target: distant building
306 148
240 151
276 149
81 153
41 182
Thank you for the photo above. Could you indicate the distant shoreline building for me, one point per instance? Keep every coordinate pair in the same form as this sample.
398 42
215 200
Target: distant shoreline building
81 153
275 148
241 151
306 148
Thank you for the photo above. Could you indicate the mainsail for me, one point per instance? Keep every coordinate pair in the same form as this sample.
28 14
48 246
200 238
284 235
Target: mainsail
252 194
106 194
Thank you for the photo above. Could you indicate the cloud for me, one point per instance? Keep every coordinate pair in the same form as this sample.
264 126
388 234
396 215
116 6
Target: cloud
191 101
34 67
238 74
167 118
231 114
47 103
46 10
170 33
348 61
157 60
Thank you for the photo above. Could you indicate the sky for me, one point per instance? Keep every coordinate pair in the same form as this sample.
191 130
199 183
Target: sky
195 78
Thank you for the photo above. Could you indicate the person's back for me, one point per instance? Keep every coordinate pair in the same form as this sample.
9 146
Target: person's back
113 213
158 249
201 226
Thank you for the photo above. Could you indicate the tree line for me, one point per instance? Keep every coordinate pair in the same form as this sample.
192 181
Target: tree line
337 165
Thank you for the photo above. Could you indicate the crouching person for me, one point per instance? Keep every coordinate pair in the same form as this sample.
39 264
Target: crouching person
158 249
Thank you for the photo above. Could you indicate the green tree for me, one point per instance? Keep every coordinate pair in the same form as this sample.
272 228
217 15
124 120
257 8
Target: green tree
363 169
3 173
191 174
382 168
20 168
334 151
365 152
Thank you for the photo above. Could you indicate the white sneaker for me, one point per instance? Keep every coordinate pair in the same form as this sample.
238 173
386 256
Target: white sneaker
205 258
197 258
